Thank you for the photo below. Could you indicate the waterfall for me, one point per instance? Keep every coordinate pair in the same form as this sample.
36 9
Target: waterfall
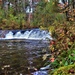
34 34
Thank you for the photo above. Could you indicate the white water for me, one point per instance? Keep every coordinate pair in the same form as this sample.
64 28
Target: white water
35 34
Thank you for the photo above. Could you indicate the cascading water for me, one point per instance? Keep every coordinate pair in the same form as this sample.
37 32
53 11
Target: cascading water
35 34
24 57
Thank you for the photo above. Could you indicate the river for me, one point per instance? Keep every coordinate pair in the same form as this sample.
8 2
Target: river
22 56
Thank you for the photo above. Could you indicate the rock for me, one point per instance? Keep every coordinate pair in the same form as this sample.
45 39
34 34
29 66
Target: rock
45 68
40 73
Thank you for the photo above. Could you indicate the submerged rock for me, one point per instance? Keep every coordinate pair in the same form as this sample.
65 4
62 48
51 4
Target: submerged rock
40 73
45 68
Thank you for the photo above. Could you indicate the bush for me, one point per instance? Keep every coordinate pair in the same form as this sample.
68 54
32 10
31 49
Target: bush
64 48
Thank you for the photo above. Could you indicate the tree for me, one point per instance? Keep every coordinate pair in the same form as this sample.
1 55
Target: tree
45 13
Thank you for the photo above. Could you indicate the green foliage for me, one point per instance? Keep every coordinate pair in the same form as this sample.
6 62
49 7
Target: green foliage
65 70
2 14
64 62
11 21
64 48
46 14
60 17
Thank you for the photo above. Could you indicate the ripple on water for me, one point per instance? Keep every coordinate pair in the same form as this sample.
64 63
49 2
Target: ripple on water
21 56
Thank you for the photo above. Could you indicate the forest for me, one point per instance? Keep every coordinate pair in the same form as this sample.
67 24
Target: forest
57 18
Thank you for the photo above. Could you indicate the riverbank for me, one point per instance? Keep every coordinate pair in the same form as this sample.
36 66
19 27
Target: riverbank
63 49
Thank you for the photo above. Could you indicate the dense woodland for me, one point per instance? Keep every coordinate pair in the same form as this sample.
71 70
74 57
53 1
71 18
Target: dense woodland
57 18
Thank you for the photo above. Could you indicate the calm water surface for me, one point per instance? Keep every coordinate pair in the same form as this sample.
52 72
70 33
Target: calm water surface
21 57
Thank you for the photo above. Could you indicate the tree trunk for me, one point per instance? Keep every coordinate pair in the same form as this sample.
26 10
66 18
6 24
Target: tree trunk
73 4
23 2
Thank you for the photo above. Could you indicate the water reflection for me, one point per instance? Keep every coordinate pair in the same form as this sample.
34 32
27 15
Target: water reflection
21 57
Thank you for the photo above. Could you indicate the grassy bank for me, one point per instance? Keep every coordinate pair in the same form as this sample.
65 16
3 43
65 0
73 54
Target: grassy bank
63 49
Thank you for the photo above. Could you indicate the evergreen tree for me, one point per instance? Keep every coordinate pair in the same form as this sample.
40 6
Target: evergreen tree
45 13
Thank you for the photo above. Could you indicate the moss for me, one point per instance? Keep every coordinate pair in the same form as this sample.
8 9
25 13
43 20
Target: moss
65 70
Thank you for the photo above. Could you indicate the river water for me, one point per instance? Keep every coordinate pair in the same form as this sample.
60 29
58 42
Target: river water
22 57
21 52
